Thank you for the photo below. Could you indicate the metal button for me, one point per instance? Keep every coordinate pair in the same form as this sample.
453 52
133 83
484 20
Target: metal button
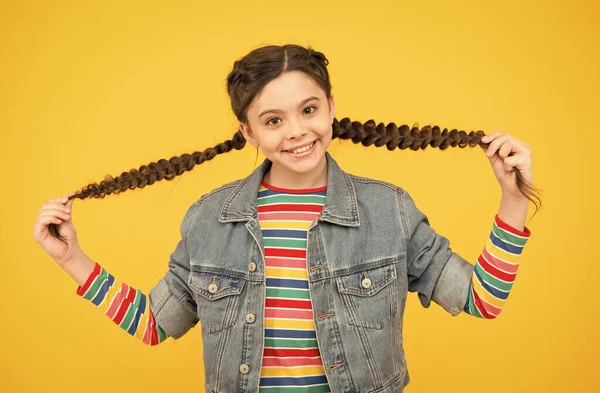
244 369
252 266
366 283
250 318
212 288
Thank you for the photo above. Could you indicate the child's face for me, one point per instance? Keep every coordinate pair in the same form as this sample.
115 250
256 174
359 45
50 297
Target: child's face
284 117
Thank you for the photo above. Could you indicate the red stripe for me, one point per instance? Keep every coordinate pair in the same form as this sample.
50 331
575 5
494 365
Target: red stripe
284 303
146 337
287 216
525 232
116 303
95 273
125 305
284 262
499 263
283 362
293 191
312 352
288 314
284 252
153 332
283 207
495 272
480 306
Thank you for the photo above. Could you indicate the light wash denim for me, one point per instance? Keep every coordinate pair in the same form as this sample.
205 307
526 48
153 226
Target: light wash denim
368 229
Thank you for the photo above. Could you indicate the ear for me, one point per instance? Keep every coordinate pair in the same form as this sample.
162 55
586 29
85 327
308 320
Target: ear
331 108
248 134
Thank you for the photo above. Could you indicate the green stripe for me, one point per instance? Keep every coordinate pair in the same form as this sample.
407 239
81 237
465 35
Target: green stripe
285 343
132 310
291 199
472 307
287 243
489 279
507 236
162 336
288 293
308 389
96 285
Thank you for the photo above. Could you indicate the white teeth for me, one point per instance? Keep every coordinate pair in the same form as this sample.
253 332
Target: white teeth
302 149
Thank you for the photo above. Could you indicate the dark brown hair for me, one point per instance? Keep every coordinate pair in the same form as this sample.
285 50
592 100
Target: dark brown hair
248 77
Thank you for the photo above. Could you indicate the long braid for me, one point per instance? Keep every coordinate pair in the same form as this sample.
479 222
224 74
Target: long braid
403 137
367 134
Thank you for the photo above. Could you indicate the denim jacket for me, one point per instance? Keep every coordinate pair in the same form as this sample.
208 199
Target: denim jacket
368 229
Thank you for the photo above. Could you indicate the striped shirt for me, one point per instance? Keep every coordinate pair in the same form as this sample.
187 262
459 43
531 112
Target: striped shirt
495 270
291 359
493 277
127 307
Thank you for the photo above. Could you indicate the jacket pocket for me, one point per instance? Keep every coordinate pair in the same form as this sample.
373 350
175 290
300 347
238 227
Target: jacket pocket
217 296
369 296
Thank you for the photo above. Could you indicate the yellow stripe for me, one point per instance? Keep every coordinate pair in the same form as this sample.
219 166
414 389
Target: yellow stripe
285 224
301 371
286 273
485 295
500 253
139 333
287 324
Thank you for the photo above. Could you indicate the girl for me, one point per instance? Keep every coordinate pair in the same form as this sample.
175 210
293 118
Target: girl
298 273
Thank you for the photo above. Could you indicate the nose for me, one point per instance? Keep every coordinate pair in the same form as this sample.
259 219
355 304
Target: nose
296 130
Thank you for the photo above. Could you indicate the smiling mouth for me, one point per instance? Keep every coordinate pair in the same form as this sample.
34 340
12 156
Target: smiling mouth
303 149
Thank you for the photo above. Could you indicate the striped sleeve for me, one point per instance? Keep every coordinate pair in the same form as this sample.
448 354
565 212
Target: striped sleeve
495 270
127 307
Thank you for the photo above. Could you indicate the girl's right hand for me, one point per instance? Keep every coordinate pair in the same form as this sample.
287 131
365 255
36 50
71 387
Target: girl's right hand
57 211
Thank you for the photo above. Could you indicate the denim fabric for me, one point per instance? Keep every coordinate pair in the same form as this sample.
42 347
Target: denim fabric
368 229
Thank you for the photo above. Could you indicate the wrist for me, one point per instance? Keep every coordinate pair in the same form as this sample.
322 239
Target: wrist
514 199
79 266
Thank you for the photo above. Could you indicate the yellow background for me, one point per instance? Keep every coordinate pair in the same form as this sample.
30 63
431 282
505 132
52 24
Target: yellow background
103 87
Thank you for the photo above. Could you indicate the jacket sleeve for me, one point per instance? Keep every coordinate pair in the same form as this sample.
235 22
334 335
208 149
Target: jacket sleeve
169 311
434 270
171 300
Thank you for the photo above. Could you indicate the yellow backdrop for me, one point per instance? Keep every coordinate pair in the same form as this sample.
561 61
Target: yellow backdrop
90 88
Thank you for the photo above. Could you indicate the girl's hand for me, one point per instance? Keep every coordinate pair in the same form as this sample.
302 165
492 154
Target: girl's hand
507 155
56 211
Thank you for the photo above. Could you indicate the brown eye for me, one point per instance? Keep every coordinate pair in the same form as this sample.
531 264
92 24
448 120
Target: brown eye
314 108
272 124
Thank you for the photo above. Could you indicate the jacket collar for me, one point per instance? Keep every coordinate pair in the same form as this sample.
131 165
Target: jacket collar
340 203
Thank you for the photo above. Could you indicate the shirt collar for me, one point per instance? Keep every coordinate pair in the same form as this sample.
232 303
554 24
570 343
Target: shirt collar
340 203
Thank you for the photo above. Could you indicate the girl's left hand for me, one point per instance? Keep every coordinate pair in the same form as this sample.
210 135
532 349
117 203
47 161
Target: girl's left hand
507 155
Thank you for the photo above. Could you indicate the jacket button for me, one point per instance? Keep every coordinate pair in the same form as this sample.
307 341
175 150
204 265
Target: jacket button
252 266
212 288
244 369
366 283
250 317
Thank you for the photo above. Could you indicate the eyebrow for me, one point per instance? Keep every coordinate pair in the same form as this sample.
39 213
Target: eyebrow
279 111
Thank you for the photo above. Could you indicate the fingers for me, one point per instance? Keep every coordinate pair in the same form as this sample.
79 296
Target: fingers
54 206
504 144
56 213
495 145
521 162
506 149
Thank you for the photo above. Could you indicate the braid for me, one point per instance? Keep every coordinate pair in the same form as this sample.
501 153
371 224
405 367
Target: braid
368 133
403 137
154 171
392 137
